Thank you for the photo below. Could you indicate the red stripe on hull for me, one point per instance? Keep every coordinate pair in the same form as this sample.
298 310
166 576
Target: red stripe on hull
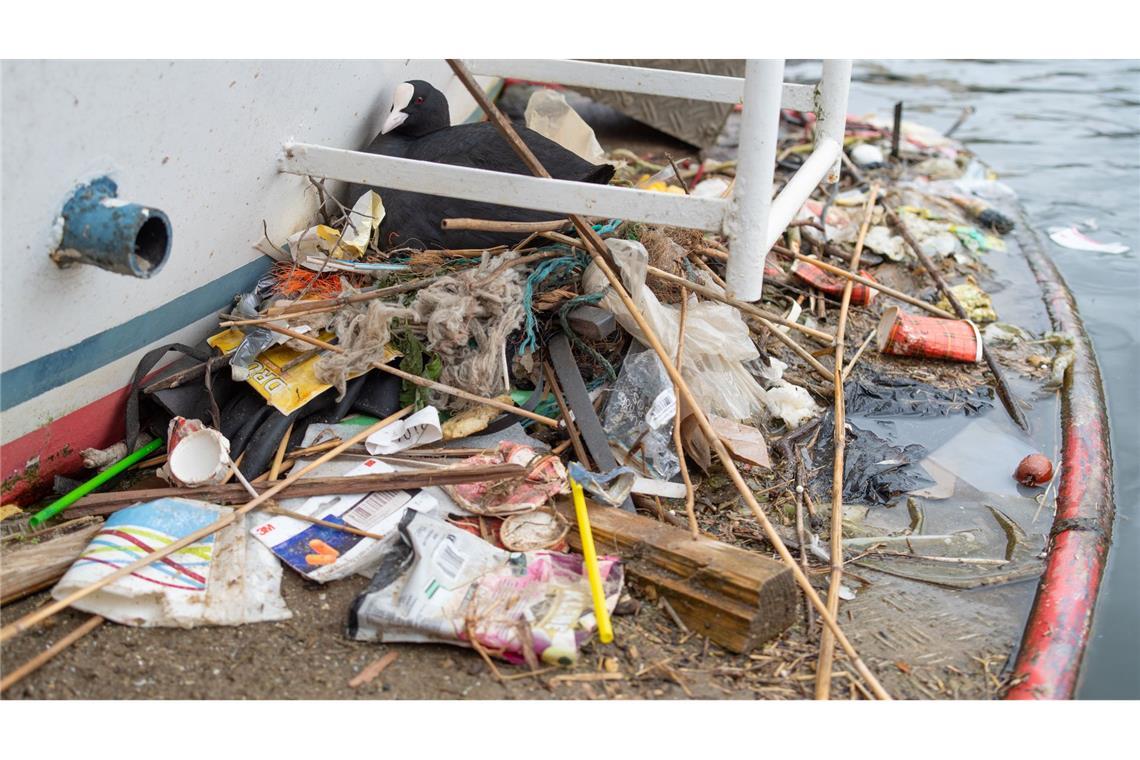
30 462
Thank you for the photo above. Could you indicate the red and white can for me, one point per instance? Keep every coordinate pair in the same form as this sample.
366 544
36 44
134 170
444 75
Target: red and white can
861 295
902 334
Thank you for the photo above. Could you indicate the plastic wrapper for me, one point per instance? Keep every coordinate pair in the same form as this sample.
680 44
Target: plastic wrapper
439 583
323 553
548 113
545 479
717 341
223 579
874 470
639 413
256 339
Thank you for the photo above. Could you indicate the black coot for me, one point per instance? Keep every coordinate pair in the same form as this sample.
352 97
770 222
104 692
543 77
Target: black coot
419 127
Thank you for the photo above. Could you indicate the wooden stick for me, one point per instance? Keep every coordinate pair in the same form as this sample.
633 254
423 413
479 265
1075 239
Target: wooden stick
31 619
690 498
571 428
827 641
493 225
598 251
194 371
801 533
1002 387
324 523
34 664
275 469
887 291
748 308
416 380
321 306
437 475
862 347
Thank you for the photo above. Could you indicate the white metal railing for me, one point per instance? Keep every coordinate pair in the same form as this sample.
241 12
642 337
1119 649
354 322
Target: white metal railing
752 219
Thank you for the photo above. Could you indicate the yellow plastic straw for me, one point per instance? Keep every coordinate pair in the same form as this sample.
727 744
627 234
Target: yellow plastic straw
605 630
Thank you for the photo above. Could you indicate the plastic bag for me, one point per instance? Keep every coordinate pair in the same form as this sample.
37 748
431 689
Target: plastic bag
225 578
717 342
640 412
256 339
548 113
439 583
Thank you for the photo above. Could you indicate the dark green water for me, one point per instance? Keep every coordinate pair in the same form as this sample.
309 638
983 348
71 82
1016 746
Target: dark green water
1066 136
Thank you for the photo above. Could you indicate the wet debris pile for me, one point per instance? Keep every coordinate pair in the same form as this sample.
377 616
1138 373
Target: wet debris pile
416 415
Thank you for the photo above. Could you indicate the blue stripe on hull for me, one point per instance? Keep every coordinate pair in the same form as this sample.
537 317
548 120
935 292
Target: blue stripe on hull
40 375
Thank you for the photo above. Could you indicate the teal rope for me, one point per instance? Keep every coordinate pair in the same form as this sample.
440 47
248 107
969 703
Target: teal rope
558 269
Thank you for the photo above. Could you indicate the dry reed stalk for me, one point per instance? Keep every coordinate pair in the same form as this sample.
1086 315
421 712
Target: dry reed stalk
827 641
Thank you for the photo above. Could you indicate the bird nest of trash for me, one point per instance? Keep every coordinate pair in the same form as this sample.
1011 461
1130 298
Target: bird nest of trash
559 443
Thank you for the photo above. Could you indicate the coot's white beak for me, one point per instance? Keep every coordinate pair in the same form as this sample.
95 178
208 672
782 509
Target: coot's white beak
400 100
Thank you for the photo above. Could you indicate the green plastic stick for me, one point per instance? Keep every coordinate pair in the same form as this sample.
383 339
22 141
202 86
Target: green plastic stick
65 501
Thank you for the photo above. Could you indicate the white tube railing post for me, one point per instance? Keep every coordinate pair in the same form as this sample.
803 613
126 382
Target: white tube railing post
746 222
831 107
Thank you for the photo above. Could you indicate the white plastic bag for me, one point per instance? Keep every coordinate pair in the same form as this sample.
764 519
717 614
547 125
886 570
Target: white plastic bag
226 578
717 342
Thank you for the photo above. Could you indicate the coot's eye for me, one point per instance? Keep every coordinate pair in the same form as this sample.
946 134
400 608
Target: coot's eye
419 100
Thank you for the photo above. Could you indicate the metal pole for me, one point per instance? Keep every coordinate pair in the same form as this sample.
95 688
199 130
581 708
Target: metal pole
831 107
746 222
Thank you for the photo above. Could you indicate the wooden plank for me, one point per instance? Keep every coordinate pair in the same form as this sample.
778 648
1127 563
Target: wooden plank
637 79
39 560
235 493
739 599
554 195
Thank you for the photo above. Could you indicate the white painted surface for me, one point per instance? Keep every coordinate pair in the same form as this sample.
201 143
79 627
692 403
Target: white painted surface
555 195
50 406
608 76
747 219
197 139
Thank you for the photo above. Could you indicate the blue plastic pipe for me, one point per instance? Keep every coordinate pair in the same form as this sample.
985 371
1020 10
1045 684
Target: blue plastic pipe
100 229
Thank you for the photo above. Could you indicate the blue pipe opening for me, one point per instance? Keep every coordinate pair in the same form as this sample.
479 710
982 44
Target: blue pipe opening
102 230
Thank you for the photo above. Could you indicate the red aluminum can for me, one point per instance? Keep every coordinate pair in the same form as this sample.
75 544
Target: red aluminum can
903 334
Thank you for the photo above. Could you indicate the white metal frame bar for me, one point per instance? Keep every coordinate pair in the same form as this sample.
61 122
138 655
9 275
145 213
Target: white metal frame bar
554 195
606 76
753 220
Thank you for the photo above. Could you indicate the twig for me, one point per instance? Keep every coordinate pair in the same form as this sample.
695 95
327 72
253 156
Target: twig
855 277
677 174
28 621
598 252
275 469
34 664
324 523
673 615
896 131
827 641
571 428
373 669
690 497
801 533
424 382
862 347
587 677
494 225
